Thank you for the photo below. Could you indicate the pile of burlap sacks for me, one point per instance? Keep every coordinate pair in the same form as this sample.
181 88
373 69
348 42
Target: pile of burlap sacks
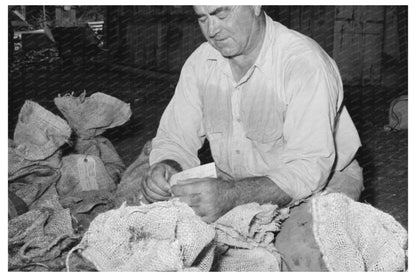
61 175
77 207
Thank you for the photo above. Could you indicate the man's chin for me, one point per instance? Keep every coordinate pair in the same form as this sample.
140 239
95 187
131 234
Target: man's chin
227 53
224 51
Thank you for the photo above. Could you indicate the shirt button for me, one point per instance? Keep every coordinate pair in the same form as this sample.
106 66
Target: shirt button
237 151
238 119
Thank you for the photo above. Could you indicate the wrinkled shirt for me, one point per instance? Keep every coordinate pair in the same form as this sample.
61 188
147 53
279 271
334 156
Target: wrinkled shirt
284 119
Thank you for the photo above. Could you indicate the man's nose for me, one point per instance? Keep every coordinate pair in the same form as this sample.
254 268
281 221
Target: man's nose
213 27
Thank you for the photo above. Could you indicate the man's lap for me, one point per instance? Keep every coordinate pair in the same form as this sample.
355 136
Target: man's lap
296 242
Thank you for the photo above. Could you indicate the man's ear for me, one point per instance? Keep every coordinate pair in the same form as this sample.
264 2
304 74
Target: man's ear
257 10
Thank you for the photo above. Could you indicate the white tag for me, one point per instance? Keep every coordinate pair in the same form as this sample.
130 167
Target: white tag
87 173
203 171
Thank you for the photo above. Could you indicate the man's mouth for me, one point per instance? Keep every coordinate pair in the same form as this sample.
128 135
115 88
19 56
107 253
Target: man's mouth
219 39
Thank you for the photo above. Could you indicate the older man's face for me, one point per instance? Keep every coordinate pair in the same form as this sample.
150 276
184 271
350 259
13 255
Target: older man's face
227 28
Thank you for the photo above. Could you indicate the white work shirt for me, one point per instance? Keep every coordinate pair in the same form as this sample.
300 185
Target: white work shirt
282 120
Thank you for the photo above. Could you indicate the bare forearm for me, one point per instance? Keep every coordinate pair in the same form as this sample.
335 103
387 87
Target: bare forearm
258 189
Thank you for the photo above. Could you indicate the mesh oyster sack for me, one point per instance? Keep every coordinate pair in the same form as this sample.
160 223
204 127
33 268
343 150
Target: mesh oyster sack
129 187
168 236
354 236
83 173
164 236
89 117
39 133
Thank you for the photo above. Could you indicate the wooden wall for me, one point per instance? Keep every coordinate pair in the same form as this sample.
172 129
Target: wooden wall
152 37
365 41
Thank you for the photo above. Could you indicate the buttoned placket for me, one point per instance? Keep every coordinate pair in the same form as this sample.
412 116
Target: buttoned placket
236 142
238 131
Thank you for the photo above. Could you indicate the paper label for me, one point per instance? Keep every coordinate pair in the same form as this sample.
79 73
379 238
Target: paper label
87 173
203 171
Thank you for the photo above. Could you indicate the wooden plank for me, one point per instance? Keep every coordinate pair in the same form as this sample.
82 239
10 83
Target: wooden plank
347 51
295 18
306 14
323 27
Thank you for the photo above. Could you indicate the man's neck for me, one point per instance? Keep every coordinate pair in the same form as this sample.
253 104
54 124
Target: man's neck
242 63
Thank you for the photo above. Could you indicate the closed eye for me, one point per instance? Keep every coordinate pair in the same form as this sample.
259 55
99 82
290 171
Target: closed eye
202 18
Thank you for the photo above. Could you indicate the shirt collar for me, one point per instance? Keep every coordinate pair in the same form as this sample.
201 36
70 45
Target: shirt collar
262 62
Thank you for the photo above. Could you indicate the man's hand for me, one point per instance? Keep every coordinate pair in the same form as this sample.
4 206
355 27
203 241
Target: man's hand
155 185
210 198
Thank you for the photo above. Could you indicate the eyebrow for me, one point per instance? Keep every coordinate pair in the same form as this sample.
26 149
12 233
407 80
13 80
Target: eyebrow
214 12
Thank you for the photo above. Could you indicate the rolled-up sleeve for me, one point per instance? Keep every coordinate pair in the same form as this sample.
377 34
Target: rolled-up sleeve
309 150
181 133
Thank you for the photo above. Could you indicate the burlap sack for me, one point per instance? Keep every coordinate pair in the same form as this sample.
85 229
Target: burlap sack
39 133
257 259
91 116
31 192
83 173
354 236
250 225
41 235
20 168
29 180
86 205
248 231
168 236
104 149
163 236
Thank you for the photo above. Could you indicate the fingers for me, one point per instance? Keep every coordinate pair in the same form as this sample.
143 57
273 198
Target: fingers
157 174
155 186
149 194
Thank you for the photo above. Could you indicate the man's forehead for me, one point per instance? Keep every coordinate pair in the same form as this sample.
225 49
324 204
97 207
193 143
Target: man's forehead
203 9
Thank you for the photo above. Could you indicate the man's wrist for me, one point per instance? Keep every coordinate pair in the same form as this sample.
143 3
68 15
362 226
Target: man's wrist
229 194
258 189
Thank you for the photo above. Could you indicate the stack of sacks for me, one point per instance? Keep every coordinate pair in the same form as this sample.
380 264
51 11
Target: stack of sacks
34 154
95 165
42 232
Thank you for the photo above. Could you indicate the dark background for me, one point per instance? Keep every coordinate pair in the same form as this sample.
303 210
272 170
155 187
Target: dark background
139 51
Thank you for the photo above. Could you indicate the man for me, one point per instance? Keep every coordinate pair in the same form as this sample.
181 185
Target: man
269 100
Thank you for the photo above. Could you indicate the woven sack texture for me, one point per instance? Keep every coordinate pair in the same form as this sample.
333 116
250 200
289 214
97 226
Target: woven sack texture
164 236
250 225
19 167
83 173
39 133
91 116
104 149
257 259
31 192
355 236
168 236
42 234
